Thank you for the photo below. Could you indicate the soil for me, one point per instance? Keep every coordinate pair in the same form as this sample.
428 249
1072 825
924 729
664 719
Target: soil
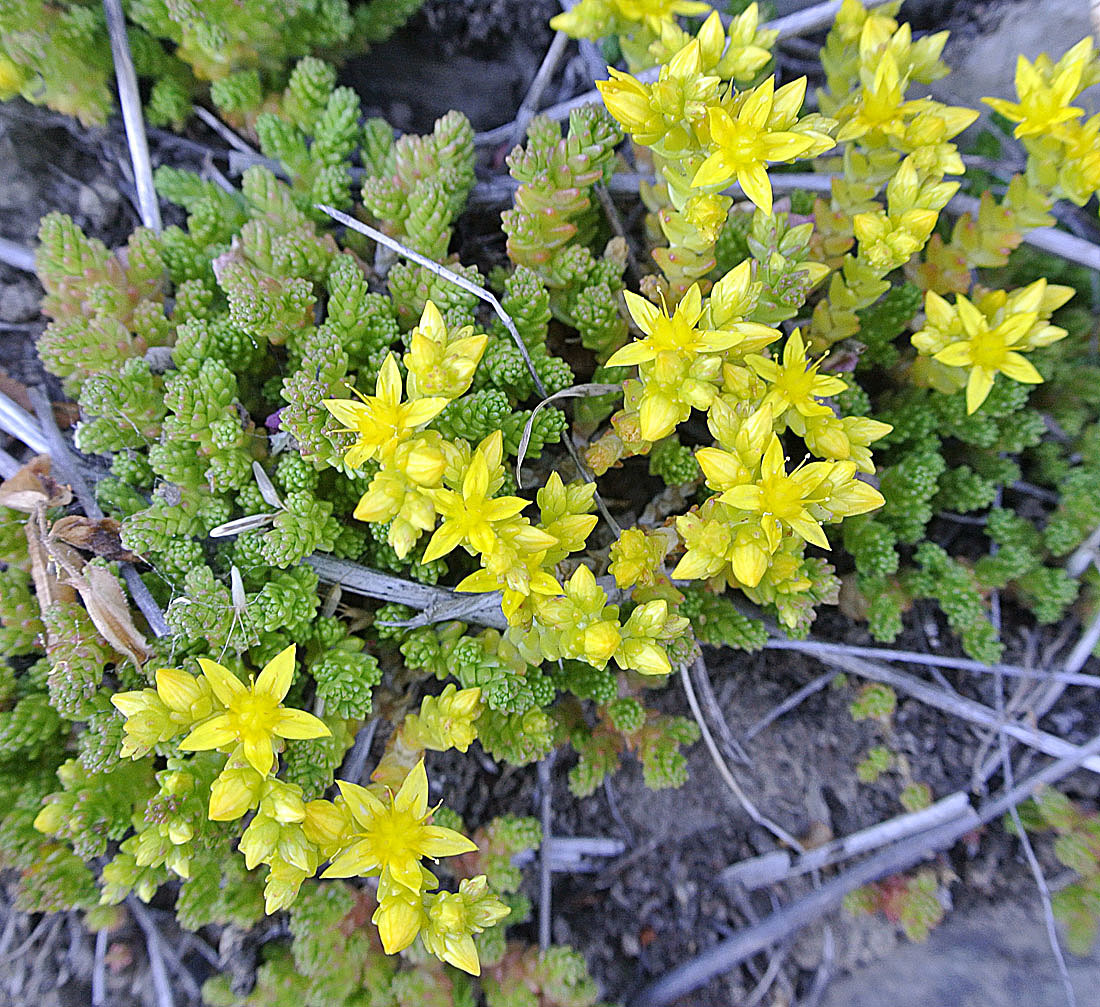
661 902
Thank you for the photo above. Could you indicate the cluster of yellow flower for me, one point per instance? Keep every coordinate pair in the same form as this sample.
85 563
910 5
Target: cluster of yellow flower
367 831
704 133
423 476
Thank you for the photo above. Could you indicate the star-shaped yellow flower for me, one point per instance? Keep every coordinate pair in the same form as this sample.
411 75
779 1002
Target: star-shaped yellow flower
744 144
382 421
782 499
989 351
1041 103
470 516
392 836
253 716
794 383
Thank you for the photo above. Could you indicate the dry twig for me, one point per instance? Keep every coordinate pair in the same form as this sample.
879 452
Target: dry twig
130 100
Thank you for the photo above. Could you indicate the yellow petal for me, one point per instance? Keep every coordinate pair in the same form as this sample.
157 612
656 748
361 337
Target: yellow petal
257 750
213 734
362 804
715 170
423 410
388 385
1019 368
977 388
747 497
446 538
750 563
413 795
632 354
809 529
274 680
398 923
756 186
225 684
643 311
299 725
461 952
436 841
354 861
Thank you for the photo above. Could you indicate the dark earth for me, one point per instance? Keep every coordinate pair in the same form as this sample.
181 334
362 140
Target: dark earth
660 902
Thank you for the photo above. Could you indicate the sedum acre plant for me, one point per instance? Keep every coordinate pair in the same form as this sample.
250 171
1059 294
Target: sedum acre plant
57 52
771 422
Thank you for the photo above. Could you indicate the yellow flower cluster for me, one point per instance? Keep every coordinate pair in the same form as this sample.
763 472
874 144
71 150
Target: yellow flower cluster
871 63
705 133
389 427
1063 147
638 24
975 340
370 833
424 478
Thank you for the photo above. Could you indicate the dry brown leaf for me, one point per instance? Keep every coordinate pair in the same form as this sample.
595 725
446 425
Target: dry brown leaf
47 588
101 536
34 486
103 598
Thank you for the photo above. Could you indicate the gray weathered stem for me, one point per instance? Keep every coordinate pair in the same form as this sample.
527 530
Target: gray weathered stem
776 866
959 706
130 100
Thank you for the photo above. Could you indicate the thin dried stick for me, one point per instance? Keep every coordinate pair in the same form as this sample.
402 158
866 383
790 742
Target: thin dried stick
933 660
8 465
356 760
769 976
161 986
1076 659
437 603
546 811
793 700
616 222
17 256
728 778
130 100
590 53
228 135
480 292
530 104
733 750
1033 862
15 420
99 969
69 470
777 866
959 706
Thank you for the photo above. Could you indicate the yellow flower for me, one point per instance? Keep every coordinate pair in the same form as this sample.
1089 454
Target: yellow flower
253 715
675 333
452 918
438 363
781 498
470 516
795 383
393 836
653 13
745 144
445 721
382 421
662 114
989 351
1044 103
157 715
